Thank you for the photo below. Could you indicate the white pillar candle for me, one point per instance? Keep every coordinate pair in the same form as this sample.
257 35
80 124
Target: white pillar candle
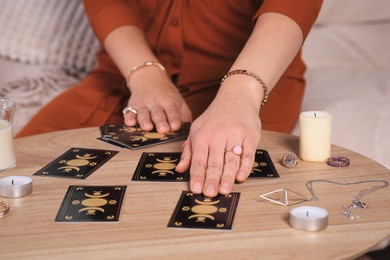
7 153
315 136
309 218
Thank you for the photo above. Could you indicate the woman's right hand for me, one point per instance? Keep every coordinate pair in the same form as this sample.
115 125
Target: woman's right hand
157 101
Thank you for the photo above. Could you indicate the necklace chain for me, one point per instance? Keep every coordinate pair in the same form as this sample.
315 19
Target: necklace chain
356 200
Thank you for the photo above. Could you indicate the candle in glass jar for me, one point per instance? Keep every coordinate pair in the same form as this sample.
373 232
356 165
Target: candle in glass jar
315 136
309 218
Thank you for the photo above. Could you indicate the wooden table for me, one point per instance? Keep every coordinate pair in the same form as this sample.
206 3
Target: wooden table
260 229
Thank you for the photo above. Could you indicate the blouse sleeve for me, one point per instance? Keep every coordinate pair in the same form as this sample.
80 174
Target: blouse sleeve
105 16
303 12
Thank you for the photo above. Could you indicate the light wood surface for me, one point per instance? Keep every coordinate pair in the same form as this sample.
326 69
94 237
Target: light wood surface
260 229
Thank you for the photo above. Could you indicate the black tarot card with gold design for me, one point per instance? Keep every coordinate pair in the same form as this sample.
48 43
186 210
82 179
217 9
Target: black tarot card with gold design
159 167
263 166
91 204
77 163
200 212
135 138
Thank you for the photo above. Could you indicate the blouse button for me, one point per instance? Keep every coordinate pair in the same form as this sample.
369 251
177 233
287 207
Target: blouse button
176 63
174 22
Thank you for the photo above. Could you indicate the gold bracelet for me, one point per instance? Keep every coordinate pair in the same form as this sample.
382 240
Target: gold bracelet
145 64
253 75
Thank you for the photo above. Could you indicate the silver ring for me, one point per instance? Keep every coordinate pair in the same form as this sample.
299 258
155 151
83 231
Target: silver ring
290 160
237 150
129 109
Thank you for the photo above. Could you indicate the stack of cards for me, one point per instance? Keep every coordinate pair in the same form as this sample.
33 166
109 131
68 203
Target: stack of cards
134 138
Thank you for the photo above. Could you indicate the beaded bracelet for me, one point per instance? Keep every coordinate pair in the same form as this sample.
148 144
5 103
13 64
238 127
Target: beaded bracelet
145 64
253 75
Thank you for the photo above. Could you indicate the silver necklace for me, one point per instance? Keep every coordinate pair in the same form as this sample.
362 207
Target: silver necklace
356 200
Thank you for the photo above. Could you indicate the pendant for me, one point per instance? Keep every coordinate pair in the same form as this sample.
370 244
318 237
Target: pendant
285 197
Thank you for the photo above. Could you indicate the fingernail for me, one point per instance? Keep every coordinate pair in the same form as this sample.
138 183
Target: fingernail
197 188
242 176
225 187
178 165
210 190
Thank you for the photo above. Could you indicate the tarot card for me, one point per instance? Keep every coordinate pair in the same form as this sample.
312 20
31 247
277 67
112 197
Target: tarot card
159 167
110 142
91 204
77 163
135 138
200 212
263 166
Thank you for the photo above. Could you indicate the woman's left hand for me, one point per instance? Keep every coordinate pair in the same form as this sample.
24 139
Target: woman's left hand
231 120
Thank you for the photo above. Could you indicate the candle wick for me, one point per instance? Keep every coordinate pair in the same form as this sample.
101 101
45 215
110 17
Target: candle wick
307 213
315 114
13 182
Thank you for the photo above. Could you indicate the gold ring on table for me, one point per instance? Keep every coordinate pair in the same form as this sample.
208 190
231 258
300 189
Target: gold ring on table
237 150
4 208
129 109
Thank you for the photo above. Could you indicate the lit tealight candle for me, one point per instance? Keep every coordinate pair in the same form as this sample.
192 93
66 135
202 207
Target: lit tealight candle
315 136
15 186
309 218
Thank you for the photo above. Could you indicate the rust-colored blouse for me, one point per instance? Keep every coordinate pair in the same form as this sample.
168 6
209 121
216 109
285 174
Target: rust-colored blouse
197 41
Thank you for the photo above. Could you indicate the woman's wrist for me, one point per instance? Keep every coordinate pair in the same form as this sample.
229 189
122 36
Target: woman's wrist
143 66
249 74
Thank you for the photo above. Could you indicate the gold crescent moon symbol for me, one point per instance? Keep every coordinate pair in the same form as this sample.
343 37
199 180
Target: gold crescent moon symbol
162 171
92 208
207 203
96 196
256 170
85 157
166 160
69 168
138 138
129 129
201 216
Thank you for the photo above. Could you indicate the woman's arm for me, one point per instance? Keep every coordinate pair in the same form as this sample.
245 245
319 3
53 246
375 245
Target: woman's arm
233 117
118 26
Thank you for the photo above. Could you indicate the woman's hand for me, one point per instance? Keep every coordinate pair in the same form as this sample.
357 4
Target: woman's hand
232 119
157 102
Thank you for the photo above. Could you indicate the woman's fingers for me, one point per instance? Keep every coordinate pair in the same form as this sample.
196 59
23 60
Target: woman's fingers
247 159
232 158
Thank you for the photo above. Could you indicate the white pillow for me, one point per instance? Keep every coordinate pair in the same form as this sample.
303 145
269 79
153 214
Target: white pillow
49 32
359 46
352 11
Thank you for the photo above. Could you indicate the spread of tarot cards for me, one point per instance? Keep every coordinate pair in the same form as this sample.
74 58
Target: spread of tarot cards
103 203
